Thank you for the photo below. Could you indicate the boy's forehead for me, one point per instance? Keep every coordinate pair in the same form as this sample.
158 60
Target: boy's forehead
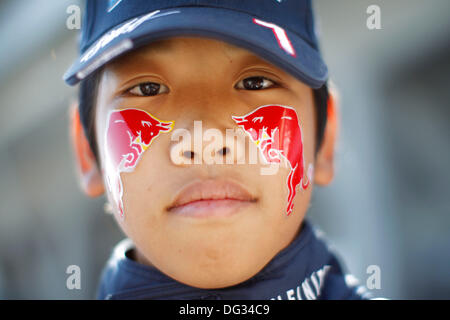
171 44
179 46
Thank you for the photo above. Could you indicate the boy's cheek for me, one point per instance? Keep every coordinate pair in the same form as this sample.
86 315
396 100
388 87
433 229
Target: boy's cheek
128 134
277 132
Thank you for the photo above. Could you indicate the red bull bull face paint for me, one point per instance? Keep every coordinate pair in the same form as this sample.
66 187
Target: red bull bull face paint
129 133
276 131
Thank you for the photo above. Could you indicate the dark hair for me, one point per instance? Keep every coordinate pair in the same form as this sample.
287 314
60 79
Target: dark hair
321 96
88 96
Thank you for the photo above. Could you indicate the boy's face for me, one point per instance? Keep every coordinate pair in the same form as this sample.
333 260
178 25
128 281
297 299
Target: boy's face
238 222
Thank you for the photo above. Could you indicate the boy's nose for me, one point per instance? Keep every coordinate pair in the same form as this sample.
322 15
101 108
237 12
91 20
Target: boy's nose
191 154
211 146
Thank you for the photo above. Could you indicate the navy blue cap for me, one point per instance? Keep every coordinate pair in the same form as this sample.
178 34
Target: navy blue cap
280 31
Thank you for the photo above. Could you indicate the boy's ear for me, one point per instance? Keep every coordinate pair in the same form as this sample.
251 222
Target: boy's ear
324 166
89 175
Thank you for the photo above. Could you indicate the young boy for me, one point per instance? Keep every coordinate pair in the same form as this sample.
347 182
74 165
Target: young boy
207 124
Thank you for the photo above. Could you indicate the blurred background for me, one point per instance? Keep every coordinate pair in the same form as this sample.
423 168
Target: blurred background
389 204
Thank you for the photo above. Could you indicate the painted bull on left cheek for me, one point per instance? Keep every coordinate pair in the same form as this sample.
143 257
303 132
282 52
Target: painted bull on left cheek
276 131
129 133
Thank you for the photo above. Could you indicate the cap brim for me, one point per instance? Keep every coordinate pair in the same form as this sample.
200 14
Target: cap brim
238 28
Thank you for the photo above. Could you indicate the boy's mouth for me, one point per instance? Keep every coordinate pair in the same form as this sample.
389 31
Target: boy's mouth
211 198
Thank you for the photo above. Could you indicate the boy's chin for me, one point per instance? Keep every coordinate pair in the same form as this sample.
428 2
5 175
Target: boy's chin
222 259
216 252
227 275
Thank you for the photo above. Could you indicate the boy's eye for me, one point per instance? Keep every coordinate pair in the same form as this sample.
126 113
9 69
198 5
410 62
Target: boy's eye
147 89
255 83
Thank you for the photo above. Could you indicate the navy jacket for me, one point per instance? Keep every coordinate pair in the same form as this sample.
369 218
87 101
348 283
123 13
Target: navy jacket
306 269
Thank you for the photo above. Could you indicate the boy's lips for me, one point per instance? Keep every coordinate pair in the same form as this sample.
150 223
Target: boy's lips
211 198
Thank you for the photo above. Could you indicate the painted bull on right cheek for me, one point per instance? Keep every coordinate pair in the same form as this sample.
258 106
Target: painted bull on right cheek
276 131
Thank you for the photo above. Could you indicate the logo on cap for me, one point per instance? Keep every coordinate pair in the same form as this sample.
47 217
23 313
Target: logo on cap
280 35
112 4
